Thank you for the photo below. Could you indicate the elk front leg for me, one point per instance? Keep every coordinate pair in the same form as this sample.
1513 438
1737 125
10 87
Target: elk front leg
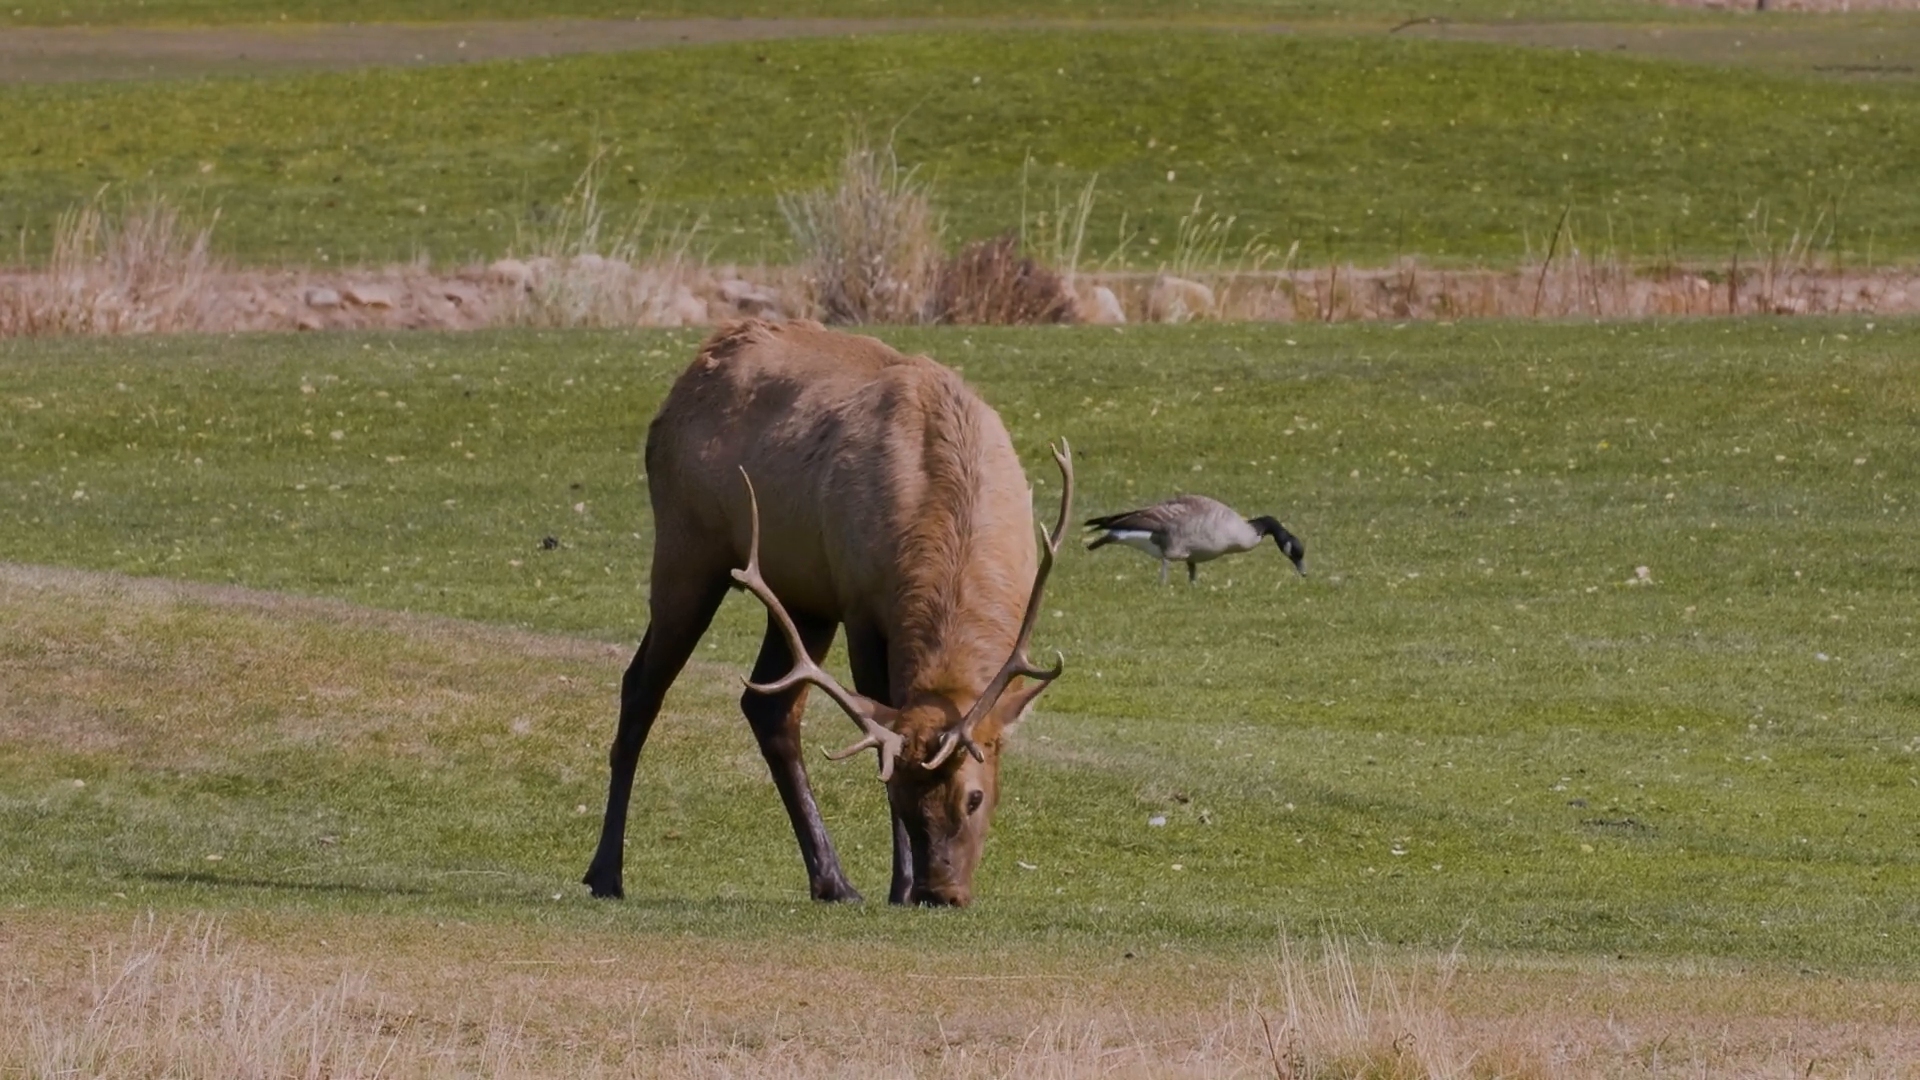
680 616
776 724
867 655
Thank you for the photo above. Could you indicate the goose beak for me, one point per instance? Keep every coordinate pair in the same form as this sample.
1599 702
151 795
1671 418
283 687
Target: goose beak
1302 567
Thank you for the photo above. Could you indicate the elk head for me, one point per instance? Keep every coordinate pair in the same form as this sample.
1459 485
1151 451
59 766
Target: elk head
943 800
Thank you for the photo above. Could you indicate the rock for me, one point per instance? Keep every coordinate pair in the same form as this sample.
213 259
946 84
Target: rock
1099 306
373 296
322 298
689 309
307 320
746 298
1178 300
1792 305
462 294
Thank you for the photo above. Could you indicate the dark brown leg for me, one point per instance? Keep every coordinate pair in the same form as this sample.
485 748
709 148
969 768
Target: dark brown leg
867 654
776 723
679 619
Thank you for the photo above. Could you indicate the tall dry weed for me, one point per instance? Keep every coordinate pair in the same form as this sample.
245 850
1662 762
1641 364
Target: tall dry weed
582 269
869 247
1343 1020
1057 238
136 268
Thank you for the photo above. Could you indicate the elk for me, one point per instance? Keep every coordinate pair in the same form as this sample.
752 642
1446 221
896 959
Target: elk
845 484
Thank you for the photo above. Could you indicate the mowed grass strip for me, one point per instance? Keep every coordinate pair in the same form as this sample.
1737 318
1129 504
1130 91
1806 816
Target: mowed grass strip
1470 724
1356 148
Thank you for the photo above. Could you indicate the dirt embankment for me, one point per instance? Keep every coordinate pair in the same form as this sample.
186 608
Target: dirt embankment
590 291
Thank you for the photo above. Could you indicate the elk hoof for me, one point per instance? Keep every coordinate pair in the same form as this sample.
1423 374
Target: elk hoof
837 892
604 886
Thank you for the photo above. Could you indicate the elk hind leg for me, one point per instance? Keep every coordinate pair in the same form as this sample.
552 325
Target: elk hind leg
776 724
682 609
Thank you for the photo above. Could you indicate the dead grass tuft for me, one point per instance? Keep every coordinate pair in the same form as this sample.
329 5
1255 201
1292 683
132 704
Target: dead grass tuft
140 267
870 247
988 282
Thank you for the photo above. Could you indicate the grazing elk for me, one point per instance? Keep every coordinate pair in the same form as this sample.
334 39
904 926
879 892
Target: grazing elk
845 484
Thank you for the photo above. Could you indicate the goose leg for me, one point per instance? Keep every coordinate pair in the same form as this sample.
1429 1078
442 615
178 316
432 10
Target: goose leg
1193 572
1163 571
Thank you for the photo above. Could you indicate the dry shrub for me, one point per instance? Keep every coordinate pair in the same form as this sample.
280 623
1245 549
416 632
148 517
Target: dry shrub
140 269
990 283
870 248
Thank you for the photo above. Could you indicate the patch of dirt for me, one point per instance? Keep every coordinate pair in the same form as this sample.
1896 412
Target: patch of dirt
73 54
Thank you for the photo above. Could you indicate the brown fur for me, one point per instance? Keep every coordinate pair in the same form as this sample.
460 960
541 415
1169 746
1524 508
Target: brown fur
891 503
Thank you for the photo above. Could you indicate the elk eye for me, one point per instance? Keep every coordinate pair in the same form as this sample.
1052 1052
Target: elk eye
974 799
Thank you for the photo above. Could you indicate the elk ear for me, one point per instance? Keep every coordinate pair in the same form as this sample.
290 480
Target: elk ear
1014 704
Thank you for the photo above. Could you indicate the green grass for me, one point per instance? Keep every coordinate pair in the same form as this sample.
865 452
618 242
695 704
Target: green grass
215 12
1719 764
1357 148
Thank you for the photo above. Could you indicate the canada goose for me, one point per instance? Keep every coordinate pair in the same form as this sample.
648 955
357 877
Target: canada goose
1195 529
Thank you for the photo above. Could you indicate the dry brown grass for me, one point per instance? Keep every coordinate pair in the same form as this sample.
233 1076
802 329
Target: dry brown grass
870 247
138 267
272 995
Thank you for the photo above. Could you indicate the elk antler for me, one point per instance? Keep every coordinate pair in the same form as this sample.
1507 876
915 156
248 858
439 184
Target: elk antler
863 710
1019 663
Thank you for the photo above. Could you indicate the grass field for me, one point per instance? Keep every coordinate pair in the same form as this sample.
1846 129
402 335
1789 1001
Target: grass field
1688 802
1362 148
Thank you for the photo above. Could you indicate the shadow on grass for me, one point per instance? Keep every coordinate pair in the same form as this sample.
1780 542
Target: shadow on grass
204 878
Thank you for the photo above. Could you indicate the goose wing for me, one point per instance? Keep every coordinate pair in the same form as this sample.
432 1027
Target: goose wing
1160 517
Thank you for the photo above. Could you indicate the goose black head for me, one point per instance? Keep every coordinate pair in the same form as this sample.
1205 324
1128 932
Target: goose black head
1289 544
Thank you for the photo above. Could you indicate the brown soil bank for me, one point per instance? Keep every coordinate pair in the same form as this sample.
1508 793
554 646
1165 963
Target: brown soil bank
596 292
